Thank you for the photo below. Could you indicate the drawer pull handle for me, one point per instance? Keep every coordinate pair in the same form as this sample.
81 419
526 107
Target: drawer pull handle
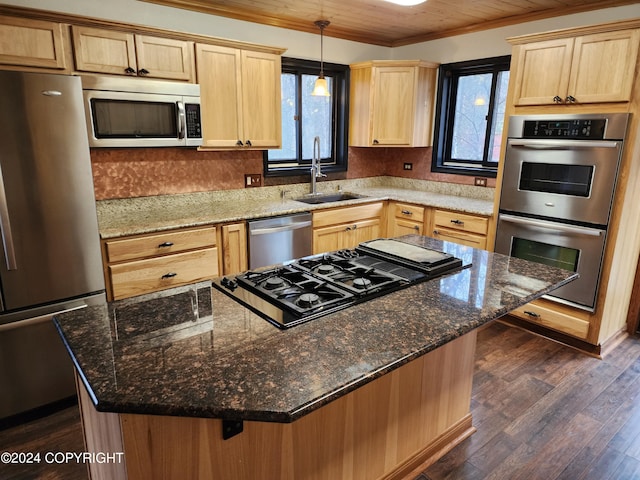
165 245
416 228
406 212
532 314
457 222
169 275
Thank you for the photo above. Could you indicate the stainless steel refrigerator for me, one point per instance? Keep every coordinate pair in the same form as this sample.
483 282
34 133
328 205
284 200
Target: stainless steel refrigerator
50 256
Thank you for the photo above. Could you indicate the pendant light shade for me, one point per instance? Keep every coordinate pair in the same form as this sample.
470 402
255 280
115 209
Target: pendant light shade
321 88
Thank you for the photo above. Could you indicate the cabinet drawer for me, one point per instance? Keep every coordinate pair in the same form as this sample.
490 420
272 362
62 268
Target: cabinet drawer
347 214
463 238
149 275
408 212
159 244
461 221
547 317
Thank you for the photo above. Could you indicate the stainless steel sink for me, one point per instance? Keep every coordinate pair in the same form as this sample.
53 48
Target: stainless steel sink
328 197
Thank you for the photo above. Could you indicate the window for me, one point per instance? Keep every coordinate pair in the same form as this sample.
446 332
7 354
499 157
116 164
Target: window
305 117
470 116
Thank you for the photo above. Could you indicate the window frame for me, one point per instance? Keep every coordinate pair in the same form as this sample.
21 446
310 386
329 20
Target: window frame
448 77
340 122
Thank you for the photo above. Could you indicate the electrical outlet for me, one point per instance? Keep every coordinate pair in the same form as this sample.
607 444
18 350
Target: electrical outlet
480 182
252 180
408 166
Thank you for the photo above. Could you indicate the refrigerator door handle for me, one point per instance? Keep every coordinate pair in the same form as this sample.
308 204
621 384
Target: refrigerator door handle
5 229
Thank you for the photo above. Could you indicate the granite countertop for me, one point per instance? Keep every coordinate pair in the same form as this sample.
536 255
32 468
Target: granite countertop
193 351
123 217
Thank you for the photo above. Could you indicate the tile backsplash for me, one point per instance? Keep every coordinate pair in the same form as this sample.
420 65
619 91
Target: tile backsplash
140 172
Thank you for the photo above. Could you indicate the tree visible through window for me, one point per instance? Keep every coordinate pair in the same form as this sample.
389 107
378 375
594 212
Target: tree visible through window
305 117
471 107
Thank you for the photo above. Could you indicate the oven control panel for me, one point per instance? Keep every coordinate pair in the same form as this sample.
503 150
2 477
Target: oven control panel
583 129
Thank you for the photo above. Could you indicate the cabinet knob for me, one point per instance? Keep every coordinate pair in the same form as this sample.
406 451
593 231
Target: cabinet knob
570 99
143 72
436 232
375 142
239 143
169 275
416 228
248 143
129 71
557 99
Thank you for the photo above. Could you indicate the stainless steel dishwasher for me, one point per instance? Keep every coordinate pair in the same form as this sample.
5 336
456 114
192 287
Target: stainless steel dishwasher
279 239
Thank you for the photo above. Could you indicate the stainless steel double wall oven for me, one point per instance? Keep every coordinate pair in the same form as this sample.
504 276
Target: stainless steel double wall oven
558 186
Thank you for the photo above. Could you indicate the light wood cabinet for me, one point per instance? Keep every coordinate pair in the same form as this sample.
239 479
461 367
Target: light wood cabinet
460 228
234 248
240 95
594 68
32 43
405 219
346 227
391 103
557 317
122 53
148 263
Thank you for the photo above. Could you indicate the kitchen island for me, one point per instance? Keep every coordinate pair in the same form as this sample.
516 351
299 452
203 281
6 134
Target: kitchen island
197 386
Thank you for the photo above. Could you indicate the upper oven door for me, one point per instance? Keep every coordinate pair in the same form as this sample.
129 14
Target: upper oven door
561 179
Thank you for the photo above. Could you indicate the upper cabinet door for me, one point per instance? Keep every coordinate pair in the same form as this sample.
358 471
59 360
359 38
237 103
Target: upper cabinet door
122 53
31 43
596 68
219 74
104 51
603 68
240 95
261 104
542 72
393 105
164 58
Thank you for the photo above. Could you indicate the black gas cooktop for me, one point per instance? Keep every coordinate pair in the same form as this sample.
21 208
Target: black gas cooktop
310 287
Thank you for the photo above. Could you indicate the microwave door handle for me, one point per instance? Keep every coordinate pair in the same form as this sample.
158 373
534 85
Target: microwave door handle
182 121
562 144
555 226
5 229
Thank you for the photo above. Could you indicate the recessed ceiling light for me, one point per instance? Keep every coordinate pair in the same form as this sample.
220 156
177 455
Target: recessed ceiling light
406 3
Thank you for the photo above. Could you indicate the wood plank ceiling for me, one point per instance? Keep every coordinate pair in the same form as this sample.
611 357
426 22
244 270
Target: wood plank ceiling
381 23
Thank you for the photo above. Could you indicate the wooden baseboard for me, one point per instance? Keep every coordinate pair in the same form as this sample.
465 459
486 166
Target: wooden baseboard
434 451
613 342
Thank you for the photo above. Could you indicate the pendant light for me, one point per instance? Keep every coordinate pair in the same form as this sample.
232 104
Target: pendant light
320 88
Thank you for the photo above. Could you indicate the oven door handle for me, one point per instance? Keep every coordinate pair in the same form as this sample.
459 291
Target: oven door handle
562 144
555 226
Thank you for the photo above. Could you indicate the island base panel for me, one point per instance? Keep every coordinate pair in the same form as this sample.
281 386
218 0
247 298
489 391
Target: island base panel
384 429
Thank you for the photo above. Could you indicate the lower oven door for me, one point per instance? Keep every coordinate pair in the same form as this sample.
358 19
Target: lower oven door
575 248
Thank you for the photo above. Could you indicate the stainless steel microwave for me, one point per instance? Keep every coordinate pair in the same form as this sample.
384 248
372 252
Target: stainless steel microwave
134 112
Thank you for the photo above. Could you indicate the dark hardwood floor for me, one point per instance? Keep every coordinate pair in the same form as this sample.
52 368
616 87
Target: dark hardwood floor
542 410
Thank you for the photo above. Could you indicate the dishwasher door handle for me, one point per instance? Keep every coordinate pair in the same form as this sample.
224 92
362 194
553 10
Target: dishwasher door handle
283 228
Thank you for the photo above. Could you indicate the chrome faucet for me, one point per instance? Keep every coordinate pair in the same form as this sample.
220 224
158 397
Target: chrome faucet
315 165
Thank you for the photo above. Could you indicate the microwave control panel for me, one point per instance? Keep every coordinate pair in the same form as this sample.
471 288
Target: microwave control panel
194 124
583 129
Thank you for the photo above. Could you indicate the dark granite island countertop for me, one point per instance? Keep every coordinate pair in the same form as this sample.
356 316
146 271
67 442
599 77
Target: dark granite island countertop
192 351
